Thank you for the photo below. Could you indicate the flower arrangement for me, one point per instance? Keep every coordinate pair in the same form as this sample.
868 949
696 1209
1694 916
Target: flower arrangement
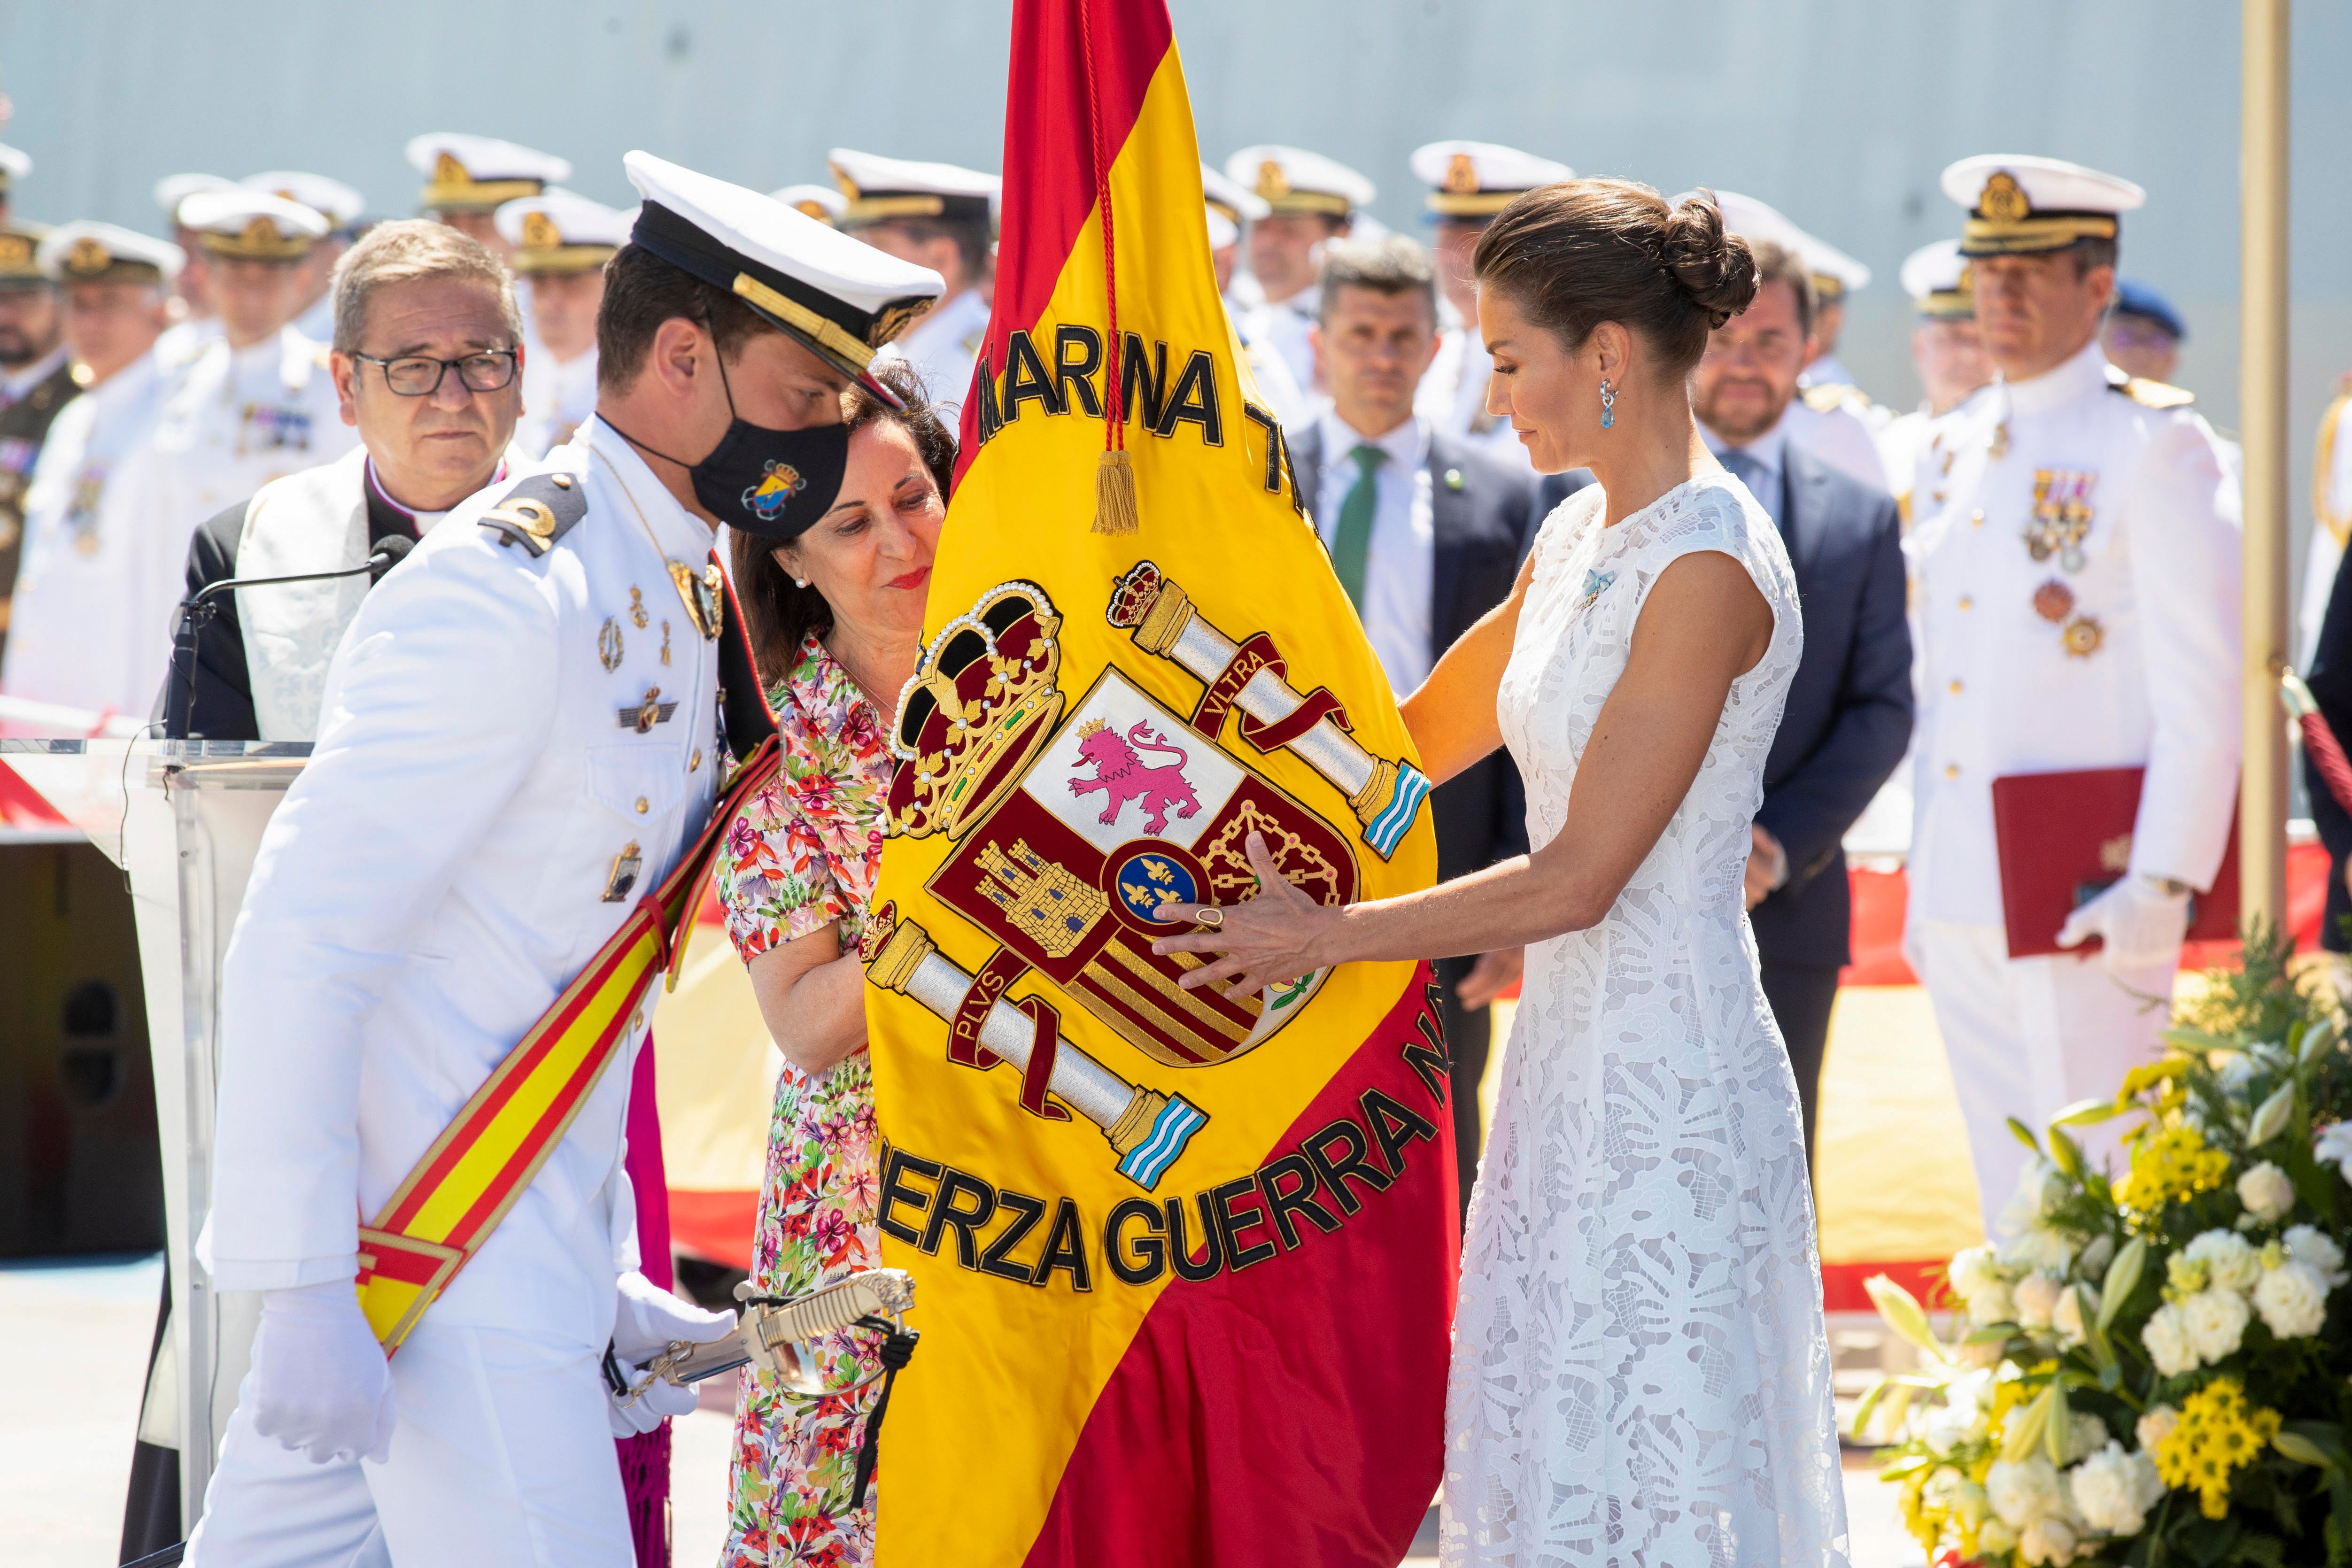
2150 1368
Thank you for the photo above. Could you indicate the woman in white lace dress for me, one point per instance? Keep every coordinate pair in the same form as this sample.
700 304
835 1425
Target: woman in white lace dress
1640 1376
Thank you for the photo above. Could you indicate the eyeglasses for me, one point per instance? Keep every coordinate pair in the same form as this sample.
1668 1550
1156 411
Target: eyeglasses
419 375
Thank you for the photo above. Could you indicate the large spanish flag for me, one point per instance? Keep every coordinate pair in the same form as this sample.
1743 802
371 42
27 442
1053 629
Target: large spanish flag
1184 1263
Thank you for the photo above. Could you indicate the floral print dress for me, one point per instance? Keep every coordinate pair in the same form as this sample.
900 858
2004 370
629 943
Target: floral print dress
801 855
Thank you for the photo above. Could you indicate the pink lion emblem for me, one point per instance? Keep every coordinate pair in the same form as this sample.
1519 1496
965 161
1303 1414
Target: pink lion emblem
1120 774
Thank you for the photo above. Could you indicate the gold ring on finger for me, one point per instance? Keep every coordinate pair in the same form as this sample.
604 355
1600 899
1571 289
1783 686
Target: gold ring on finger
1213 919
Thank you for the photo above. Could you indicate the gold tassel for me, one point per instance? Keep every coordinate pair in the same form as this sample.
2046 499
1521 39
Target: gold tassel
1115 495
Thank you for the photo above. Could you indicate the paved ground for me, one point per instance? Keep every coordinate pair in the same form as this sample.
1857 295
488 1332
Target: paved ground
79 1332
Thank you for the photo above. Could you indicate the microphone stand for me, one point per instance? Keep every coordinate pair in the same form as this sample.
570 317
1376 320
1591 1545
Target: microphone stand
198 609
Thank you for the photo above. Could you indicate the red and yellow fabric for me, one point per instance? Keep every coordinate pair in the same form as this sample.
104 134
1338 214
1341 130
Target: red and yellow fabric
450 1203
1100 720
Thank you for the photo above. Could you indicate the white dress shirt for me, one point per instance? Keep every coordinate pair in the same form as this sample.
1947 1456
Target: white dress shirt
1401 566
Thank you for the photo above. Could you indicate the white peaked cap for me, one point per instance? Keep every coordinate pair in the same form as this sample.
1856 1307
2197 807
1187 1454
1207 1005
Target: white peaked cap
838 295
822 203
1293 180
1752 219
477 173
1223 230
561 231
1239 201
173 189
1480 179
1934 268
14 165
880 188
86 251
239 221
2019 203
331 199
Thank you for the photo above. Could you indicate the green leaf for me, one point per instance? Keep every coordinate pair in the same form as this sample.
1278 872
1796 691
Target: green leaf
2319 1039
1908 1465
2123 1278
2083 1112
1903 1313
1864 1407
2060 1428
2189 1037
2024 1134
2029 1425
1994 1333
2314 1183
2301 1450
2271 1118
2065 1155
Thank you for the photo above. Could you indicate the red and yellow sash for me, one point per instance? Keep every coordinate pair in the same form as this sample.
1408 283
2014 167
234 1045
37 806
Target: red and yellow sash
449 1205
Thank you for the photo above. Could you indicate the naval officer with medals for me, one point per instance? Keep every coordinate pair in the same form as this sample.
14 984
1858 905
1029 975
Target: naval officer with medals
511 754
2074 552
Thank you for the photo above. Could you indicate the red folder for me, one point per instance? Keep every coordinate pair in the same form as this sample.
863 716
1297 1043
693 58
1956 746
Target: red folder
2065 838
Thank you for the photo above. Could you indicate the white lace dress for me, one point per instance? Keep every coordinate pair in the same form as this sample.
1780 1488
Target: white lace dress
1640 1375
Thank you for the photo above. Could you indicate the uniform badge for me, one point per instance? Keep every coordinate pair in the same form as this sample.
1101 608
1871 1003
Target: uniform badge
608 643
2000 447
1596 583
625 867
664 641
2083 636
700 594
2054 601
637 616
642 715
2061 515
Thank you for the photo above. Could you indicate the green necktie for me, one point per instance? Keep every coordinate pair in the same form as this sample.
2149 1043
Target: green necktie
1353 543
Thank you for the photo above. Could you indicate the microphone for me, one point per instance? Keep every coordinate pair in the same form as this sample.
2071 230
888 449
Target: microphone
202 606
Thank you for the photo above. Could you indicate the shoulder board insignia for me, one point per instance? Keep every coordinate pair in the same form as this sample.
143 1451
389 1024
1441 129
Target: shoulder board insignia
1830 396
537 512
2155 394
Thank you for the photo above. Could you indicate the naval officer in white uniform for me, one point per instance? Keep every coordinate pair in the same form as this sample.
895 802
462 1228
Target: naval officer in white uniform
1469 183
558 243
943 218
447 863
1947 352
340 205
2098 628
1311 200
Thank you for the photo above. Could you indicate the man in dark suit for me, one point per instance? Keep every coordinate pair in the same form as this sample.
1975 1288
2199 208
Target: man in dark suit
1848 718
1427 534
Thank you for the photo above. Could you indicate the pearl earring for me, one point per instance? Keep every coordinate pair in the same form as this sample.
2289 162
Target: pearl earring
1608 403
800 582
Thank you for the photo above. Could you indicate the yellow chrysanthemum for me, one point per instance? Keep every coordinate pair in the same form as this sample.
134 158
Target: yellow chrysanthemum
2216 1433
2168 1166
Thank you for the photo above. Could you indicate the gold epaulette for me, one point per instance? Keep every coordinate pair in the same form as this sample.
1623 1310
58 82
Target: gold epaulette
2154 394
1832 395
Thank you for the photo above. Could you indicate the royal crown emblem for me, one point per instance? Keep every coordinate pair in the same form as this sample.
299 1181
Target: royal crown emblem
982 701
540 232
1462 175
1272 183
88 258
2003 201
447 170
260 233
16 250
779 483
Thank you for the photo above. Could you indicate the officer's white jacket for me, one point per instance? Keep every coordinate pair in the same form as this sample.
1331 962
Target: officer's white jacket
438 873
2154 679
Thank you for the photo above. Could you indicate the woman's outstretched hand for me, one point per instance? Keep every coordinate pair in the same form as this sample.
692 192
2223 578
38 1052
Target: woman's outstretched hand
1264 942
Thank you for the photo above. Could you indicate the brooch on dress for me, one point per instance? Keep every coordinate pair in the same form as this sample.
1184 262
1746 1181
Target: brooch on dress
1596 583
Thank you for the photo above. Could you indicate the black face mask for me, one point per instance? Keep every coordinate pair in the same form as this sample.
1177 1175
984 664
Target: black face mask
771 484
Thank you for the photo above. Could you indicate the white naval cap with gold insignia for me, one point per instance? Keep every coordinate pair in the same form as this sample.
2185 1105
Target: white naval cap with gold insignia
2019 203
1835 273
91 252
1293 180
173 189
14 165
252 224
1230 204
822 203
331 199
19 246
880 188
561 231
479 174
839 297
1936 276
1475 180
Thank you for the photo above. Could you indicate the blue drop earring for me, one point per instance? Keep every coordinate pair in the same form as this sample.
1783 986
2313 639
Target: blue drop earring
1608 403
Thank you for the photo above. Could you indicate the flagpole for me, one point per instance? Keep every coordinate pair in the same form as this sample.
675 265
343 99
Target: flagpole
2262 394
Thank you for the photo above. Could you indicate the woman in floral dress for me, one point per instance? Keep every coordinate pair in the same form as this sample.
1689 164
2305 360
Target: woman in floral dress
836 621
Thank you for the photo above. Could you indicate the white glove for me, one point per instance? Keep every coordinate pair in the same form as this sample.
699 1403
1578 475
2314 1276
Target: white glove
2141 924
646 1320
320 1380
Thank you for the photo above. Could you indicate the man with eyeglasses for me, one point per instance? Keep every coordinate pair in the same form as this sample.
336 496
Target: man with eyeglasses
426 367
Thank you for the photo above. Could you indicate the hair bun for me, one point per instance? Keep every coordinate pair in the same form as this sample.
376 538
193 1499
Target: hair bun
1713 267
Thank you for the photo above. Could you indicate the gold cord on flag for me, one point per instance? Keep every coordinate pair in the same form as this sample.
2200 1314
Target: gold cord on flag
1115 507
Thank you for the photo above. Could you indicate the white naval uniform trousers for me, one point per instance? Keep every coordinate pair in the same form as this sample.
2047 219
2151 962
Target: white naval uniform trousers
435 876
2152 608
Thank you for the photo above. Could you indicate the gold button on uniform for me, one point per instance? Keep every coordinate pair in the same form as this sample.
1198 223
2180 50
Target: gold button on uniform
694 763
1966 603
1956 688
1951 770
642 806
